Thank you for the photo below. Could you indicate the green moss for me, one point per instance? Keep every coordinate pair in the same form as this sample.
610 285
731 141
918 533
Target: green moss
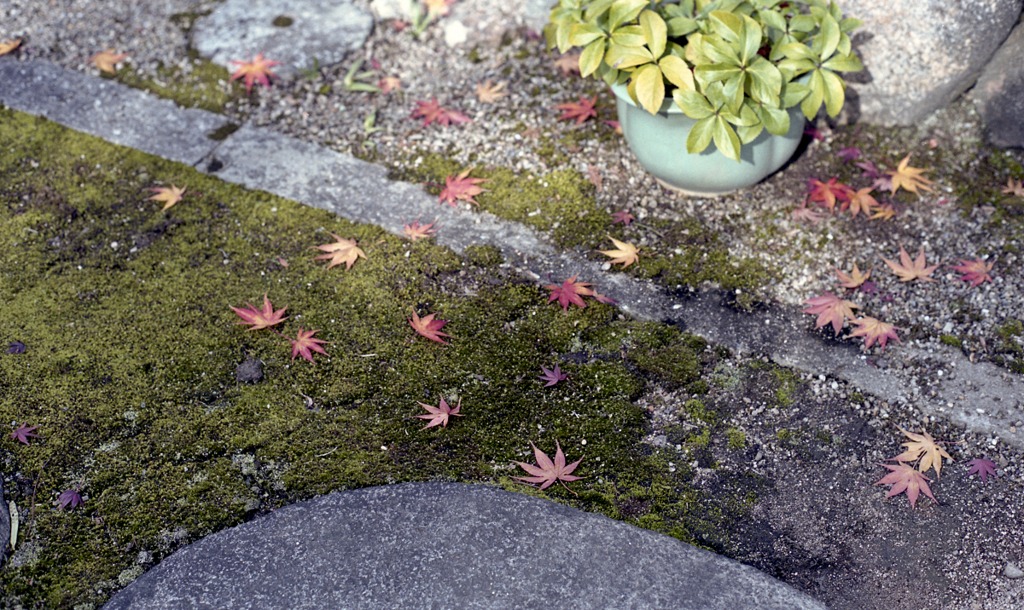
205 85
951 340
700 440
484 256
699 412
736 438
787 436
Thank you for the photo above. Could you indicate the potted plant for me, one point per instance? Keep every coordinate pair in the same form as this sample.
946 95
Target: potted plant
712 94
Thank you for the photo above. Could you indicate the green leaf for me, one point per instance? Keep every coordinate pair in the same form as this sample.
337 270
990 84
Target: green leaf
793 93
712 73
582 34
620 57
762 72
848 63
772 19
733 92
629 36
700 135
596 8
693 104
725 139
815 95
590 58
829 34
677 72
751 40
649 88
798 51
681 26
623 11
727 25
655 32
835 92
776 121
749 133
802 23
719 51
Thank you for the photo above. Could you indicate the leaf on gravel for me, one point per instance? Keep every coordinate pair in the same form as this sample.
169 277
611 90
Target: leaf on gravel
827 194
106 61
849 153
874 331
904 478
552 376
623 217
437 8
570 292
983 467
389 84
438 415
9 45
428 327
862 201
883 212
624 253
1014 188
854 279
432 112
579 111
567 64
830 309
24 433
923 449
807 214
69 499
975 271
260 318
304 344
341 251
908 270
461 188
254 71
489 92
547 472
415 230
908 178
168 195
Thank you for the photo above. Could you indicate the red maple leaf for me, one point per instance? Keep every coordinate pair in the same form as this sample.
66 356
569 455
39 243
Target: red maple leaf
255 71
461 188
905 478
438 415
24 433
623 217
428 327
260 318
830 309
570 292
983 467
552 376
975 272
432 112
547 472
826 194
580 111
873 331
304 344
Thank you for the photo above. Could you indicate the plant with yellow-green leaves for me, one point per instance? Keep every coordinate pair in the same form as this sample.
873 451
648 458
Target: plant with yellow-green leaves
735 66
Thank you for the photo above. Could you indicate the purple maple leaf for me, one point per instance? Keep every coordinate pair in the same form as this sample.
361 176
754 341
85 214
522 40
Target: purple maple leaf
622 217
552 376
849 153
983 467
69 499
24 433
16 347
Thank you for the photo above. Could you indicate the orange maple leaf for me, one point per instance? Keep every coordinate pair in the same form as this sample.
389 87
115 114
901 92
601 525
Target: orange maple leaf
855 279
861 201
428 327
826 194
304 344
923 449
975 272
1013 187
106 61
908 270
461 188
260 318
567 64
905 478
341 251
432 112
624 253
9 45
415 230
883 212
873 330
167 195
489 92
580 111
254 71
908 178
570 292
830 309
547 472
437 8
438 415
389 84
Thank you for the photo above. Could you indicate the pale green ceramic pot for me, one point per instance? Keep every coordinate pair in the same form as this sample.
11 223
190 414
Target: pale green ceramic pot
659 143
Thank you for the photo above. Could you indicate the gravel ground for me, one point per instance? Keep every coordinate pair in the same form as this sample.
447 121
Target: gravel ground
820 523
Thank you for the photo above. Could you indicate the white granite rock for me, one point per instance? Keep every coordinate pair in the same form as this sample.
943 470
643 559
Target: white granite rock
999 93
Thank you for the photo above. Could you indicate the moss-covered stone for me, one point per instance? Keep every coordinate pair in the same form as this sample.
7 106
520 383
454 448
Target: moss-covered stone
204 85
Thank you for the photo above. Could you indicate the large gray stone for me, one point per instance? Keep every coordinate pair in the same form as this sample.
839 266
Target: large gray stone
922 54
999 93
326 30
448 545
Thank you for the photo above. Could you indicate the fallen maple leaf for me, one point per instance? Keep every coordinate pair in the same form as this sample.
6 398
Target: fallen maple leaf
9 45
389 84
168 195
624 253
1013 187
579 111
489 92
547 472
106 61
615 125
908 178
461 188
570 292
849 153
69 499
873 330
861 201
826 194
983 467
883 212
623 217
975 272
254 71
908 270
428 327
415 230
437 8
260 318
24 433
870 171
830 309
806 214
923 449
552 376
438 415
567 64
304 344
904 478
855 279
16 347
341 251
432 112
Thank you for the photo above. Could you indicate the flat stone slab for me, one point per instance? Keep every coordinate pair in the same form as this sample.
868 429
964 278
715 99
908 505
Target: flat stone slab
293 32
108 109
448 545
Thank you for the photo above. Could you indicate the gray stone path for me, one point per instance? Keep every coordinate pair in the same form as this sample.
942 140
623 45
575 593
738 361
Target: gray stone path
448 545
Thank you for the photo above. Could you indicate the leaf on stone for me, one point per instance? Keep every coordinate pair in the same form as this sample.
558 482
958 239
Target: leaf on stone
830 309
908 178
827 194
547 472
168 195
1014 188
872 331
428 327
854 279
415 231
438 416
304 344
570 292
983 467
341 251
909 270
905 478
260 318
624 253
923 449
552 376
461 188
24 433
255 71
106 61
975 271
579 111
7 46
623 217
433 112
489 92
69 499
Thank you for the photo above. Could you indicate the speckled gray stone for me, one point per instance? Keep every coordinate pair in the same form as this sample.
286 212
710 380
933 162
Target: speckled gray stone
108 109
5 524
999 93
448 545
323 29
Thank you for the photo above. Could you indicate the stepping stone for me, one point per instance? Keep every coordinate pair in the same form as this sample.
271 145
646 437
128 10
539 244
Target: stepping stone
448 545
293 32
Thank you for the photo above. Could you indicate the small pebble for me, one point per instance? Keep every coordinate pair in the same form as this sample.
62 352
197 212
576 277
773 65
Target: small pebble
1012 571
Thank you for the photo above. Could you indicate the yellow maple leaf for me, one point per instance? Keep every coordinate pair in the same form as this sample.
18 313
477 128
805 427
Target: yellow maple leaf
909 270
908 178
854 279
624 253
923 449
106 61
9 45
1013 187
341 251
489 92
167 195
